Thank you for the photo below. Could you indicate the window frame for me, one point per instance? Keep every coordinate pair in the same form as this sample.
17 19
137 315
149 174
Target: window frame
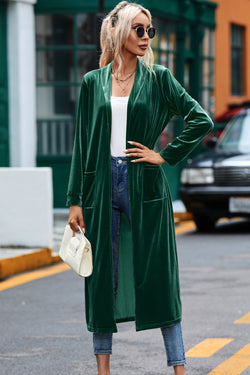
50 139
208 79
167 28
238 51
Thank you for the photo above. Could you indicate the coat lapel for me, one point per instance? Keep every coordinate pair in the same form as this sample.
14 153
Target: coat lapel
140 78
106 87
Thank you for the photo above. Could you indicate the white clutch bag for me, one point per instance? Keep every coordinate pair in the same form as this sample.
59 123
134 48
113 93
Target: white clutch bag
76 251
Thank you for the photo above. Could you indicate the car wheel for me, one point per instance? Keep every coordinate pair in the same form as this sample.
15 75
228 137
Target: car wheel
204 223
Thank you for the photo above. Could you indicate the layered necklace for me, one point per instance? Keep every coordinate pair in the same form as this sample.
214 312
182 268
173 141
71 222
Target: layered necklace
121 82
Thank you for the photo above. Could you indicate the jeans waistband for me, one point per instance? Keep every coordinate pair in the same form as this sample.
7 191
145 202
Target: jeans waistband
118 160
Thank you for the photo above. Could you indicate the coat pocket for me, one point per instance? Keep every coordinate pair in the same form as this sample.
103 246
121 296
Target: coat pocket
89 189
154 184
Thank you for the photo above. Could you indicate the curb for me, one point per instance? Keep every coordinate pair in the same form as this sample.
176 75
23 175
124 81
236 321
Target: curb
43 257
27 262
182 216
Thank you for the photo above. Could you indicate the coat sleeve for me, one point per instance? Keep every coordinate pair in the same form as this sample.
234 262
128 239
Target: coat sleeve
74 193
198 123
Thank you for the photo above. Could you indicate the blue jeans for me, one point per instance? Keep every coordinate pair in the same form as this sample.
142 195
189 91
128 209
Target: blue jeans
172 335
120 203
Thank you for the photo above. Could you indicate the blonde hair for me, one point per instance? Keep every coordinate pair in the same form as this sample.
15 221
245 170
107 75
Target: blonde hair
121 18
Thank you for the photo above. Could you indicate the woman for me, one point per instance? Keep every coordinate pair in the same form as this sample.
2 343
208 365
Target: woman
118 186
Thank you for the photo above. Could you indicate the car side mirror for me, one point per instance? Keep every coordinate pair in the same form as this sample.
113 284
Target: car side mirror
211 142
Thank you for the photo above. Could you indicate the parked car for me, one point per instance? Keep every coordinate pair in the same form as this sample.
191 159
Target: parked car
217 183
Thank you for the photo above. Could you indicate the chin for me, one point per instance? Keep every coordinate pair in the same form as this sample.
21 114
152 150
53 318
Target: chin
141 53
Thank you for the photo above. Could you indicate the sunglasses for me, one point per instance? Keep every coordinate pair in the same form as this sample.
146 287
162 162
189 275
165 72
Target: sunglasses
140 31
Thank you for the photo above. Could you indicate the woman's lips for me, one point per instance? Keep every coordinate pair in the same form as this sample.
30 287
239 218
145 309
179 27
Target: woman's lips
143 46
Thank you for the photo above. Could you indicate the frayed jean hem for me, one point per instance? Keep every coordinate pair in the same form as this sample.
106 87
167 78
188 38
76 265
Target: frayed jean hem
176 363
96 352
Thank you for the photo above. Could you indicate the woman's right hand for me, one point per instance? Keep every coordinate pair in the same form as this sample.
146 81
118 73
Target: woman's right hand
76 218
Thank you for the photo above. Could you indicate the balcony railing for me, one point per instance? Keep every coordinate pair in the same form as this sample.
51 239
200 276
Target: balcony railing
55 137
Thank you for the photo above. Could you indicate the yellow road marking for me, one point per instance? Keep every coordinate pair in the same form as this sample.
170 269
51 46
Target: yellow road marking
185 227
236 364
30 276
207 348
244 320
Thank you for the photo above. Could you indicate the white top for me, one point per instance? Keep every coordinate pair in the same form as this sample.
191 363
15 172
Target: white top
119 105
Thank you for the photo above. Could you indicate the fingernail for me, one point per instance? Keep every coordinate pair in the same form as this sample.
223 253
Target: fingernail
132 161
130 141
125 151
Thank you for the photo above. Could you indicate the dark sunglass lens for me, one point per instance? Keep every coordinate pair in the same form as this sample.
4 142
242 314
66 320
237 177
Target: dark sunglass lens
140 31
151 32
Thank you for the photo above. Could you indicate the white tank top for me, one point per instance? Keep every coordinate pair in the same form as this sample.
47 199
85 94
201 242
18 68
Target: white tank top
119 107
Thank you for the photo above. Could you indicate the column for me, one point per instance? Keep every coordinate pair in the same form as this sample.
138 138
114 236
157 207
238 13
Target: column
22 83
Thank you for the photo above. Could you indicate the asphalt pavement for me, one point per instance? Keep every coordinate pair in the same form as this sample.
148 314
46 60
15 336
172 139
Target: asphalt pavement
43 330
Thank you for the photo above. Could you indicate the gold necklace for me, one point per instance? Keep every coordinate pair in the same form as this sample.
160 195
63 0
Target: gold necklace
119 84
119 79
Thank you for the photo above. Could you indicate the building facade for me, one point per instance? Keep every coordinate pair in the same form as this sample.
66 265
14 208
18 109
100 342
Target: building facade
50 45
232 51
4 109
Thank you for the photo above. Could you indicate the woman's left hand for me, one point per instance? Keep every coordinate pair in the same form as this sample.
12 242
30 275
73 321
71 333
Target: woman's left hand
144 154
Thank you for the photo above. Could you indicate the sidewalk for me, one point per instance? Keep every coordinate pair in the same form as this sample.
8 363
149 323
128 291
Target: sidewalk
17 259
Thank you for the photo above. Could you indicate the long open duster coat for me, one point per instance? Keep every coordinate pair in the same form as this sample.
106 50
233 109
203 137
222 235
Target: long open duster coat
148 290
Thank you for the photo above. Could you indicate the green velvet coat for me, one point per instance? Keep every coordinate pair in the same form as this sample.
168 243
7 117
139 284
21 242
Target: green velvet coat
148 290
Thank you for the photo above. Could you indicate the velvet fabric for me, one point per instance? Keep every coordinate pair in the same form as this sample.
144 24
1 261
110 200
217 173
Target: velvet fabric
148 289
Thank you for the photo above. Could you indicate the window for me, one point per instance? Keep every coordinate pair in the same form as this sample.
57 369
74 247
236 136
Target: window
237 60
207 86
164 43
164 48
65 51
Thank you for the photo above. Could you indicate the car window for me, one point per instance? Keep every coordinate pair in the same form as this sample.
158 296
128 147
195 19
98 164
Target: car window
236 137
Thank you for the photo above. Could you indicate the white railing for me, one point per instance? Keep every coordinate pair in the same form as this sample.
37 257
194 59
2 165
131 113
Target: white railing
55 137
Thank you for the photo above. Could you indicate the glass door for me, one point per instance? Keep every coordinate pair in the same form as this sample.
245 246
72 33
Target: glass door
65 51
